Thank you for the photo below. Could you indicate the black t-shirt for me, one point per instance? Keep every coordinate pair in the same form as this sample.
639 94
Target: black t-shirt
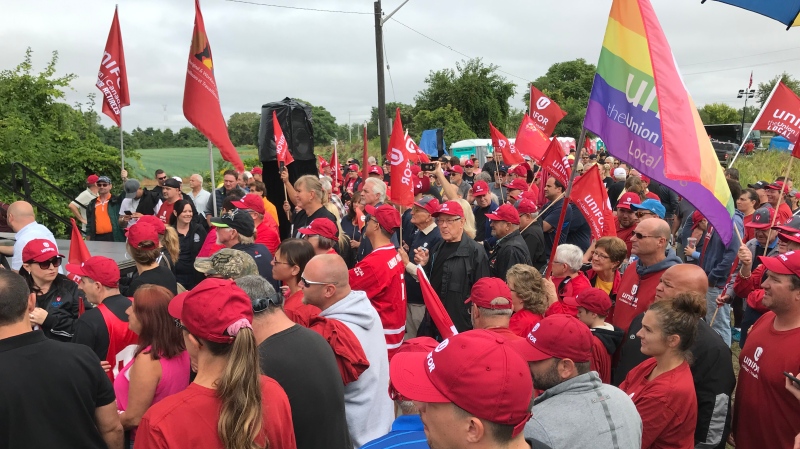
580 234
91 329
480 223
302 362
50 391
301 219
159 275
437 270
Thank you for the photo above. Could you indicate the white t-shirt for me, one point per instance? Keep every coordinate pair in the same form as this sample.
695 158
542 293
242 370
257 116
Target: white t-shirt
85 198
129 204
30 232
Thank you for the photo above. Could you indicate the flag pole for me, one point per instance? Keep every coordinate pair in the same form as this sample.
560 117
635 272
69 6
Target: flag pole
741 144
780 197
213 182
564 206
496 174
121 142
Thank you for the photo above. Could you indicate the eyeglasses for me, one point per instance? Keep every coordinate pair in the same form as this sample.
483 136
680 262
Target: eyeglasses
310 283
102 184
600 255
162 179
642 213
55 261
640 236
448 221
180 325
276 261
616 163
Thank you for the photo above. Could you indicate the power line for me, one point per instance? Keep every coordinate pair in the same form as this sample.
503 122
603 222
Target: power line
389 71
300 8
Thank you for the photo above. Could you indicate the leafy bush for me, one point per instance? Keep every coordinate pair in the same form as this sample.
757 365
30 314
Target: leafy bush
765 166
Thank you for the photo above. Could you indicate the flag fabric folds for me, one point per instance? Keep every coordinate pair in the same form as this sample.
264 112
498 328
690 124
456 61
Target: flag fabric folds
545 112
435 307
201 105
590 197
780 113
507 150
531 140
556 164
282 153
639 106
401 185
78 252
336 171
112 78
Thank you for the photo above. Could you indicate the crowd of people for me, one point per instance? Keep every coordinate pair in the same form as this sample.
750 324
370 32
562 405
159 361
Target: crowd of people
229 335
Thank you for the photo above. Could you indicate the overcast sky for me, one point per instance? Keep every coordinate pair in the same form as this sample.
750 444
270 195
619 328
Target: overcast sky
263 54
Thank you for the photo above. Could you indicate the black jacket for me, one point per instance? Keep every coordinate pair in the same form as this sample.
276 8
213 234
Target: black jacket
534 238
190 245
460 271
220 195
610 339
61 303
509 251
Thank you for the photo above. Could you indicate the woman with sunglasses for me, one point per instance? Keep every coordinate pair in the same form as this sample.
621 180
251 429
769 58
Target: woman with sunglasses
288 264
58 299
160 366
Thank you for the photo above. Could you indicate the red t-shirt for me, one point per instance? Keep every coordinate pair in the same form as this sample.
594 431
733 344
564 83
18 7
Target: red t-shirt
667 405
165 211
634 296
749 233
601 360
522 322
505 333
765 414
298 312
625 234
267 235
784 213
567 289
381 276
189 419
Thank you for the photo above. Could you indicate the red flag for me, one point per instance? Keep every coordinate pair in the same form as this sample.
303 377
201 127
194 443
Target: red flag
588 145
556 164
112 79
336 171
796 148
434 306
590 197
781 113
402 188
321 161
545 112
282 152
415 152
78 253
531 140
201 105
508 150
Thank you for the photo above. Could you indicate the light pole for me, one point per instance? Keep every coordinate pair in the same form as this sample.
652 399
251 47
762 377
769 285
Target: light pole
746 94
379 22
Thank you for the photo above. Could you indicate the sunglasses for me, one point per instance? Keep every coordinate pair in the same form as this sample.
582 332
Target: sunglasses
309 283
162 179
55 262
642 213
102 184
640 236
262 304
180 325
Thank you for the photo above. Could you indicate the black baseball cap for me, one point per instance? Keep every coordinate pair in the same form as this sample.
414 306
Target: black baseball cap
172 183
759 185
237 219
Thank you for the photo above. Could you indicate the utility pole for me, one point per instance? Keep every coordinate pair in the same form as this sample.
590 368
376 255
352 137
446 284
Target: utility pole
383 129
349 129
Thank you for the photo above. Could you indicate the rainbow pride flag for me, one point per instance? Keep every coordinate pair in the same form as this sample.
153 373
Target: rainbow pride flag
639 106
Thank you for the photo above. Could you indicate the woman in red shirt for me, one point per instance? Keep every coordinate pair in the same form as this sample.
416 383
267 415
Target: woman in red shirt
662 387
288 264
528 298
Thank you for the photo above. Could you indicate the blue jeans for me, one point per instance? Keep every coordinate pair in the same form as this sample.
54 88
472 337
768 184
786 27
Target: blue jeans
722 322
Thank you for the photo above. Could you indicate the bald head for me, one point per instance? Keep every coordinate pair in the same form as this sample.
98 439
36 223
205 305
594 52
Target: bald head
326 280
331 268
682 278
20 214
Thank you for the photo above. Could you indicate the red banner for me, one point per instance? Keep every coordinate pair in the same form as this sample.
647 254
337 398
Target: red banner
282 153
781 113
531 140
112 79
415 152
545 112
507 150
336 171
401 184
556 163
201 105
435 307
590 197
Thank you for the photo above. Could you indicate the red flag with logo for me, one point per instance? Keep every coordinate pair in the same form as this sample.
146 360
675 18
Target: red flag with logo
590 197
545 112
415 152
112 79
201 105
531 140
508 151
336 171
78 253
402 193
556 164
435 307
282 152
780 114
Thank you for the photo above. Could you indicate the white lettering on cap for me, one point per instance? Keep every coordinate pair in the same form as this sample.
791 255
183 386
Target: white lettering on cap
442 345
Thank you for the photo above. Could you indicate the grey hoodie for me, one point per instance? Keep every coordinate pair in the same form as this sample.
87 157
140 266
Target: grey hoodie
369 409
583 412
670 260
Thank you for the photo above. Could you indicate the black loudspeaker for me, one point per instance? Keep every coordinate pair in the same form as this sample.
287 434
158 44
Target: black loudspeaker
440 141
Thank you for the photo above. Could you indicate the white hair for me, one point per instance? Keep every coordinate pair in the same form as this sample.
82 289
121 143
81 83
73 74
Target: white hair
247 175
198 177
371 160
378 186
326 183
570 255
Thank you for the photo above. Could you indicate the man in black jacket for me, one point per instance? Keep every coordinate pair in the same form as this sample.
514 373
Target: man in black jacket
532 233
229 187
510 248
712 369
454 264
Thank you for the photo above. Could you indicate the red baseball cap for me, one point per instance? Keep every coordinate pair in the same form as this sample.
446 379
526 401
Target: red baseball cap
139 233
469 163
323 163
644 179
526 206
92 179
506 213
594 300
421 185
251 201
99 269
376 169
786 263
457 169
487 290
257 171
428 203
777 185
520 170
477 370
387 216
153 221
215 310
40 250
322 227
791 226
450 208
530 194
480 188
353 167
762 218
557 336
627 199
517 184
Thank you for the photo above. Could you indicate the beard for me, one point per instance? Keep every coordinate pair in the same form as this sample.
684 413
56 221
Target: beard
547 380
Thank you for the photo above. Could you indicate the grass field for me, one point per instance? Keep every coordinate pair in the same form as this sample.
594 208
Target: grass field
181 162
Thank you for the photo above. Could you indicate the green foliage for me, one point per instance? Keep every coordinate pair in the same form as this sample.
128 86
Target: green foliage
569 84
243 128
750 114
718 114
514 120
764 89
57 141
474 89
406 116
765 165
449 118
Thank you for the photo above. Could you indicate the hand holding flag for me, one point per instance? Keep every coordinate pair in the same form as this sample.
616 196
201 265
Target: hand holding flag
282 152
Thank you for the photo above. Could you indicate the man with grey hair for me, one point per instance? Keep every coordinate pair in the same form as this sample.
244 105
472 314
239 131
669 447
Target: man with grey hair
567 269
199 195
373 194
491 309
312 382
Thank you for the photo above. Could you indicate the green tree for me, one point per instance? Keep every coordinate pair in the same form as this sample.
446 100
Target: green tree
764 89
243 128
569 84
514 120
750 114
718 113
449 118
474 89
406 116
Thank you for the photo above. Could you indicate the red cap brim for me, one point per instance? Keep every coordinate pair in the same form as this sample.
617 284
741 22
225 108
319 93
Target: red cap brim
409 376
76 269
757 225
494 217
175 307
774 265
528 351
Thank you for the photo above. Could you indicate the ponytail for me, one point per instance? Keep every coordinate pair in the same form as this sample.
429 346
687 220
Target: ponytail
240 417
680 316
172 243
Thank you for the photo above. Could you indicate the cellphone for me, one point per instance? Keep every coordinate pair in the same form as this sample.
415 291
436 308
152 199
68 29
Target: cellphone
428 166
792 378
127 212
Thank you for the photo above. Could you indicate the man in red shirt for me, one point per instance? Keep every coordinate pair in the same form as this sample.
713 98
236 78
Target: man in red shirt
171 193
626 218
637 288
765 414
491 307
266 228
381 274
774 195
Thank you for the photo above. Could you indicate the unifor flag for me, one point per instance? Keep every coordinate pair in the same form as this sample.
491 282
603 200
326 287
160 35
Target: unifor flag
545 112
555 163
780 114
401 177
78 254
415 152
507 150
112 79
201 105
282 153
434 306
531 140
640 108
590 197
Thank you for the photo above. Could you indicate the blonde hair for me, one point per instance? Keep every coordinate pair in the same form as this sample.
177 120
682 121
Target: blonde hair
313 184
343 238
528 287
172 243
469 218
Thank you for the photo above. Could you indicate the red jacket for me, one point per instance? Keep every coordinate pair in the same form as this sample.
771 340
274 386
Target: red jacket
750 288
